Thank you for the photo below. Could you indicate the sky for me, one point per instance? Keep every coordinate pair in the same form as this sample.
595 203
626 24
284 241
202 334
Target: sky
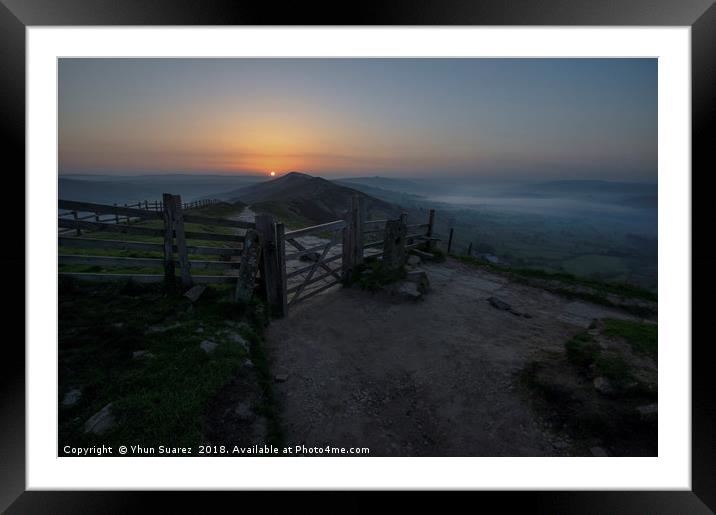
492 118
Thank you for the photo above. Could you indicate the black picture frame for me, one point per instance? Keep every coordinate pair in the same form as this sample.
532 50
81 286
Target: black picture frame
700 15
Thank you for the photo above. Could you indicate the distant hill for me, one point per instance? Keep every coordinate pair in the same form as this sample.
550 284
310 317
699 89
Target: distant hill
129 189
394 197
302 197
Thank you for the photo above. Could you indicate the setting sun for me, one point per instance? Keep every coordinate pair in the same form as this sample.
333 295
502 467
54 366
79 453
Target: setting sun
272 174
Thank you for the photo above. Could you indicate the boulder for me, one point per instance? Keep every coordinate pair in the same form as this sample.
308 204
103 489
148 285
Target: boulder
280 378
71 397
101 421
420 278
406 290
208 346
413 260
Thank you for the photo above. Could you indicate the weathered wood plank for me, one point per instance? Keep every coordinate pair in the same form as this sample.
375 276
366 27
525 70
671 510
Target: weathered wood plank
207 236
199 219
330 226
374 224
431 227
300 247
178 217
142 278
394 244
281 258
93 243
305 269
315 291
249 267
265 226
297 255
109 227
373 244
307 280
168 233
110 261
104 209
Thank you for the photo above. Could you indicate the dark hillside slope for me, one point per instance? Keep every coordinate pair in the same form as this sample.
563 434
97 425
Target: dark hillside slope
310 198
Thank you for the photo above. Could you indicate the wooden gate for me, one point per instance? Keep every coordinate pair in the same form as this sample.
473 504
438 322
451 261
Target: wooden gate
299 264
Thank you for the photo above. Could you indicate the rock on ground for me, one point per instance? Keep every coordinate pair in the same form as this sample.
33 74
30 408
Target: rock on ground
72 397
195 292
142 354
208 346
101 421
420 278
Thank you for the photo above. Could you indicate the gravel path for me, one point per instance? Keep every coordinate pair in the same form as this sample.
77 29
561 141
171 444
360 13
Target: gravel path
437 377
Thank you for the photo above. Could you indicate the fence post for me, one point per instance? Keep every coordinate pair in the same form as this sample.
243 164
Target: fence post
449 241
75 216
182 253
249 265
469 250
358 216
168 241
394 251
281 257
116 215
352 251
431 223
266 227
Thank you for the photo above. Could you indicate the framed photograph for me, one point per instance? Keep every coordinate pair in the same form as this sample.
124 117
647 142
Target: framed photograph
436 248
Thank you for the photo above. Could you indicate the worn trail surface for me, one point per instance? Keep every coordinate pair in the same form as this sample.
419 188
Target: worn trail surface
436 377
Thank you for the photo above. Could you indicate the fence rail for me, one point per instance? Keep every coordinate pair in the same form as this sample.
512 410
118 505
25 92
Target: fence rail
171 243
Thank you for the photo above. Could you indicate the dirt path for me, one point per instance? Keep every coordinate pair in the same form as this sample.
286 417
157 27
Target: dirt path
437 377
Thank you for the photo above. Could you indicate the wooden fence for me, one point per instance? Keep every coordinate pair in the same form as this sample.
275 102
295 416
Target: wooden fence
148 205
330 251
165 233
